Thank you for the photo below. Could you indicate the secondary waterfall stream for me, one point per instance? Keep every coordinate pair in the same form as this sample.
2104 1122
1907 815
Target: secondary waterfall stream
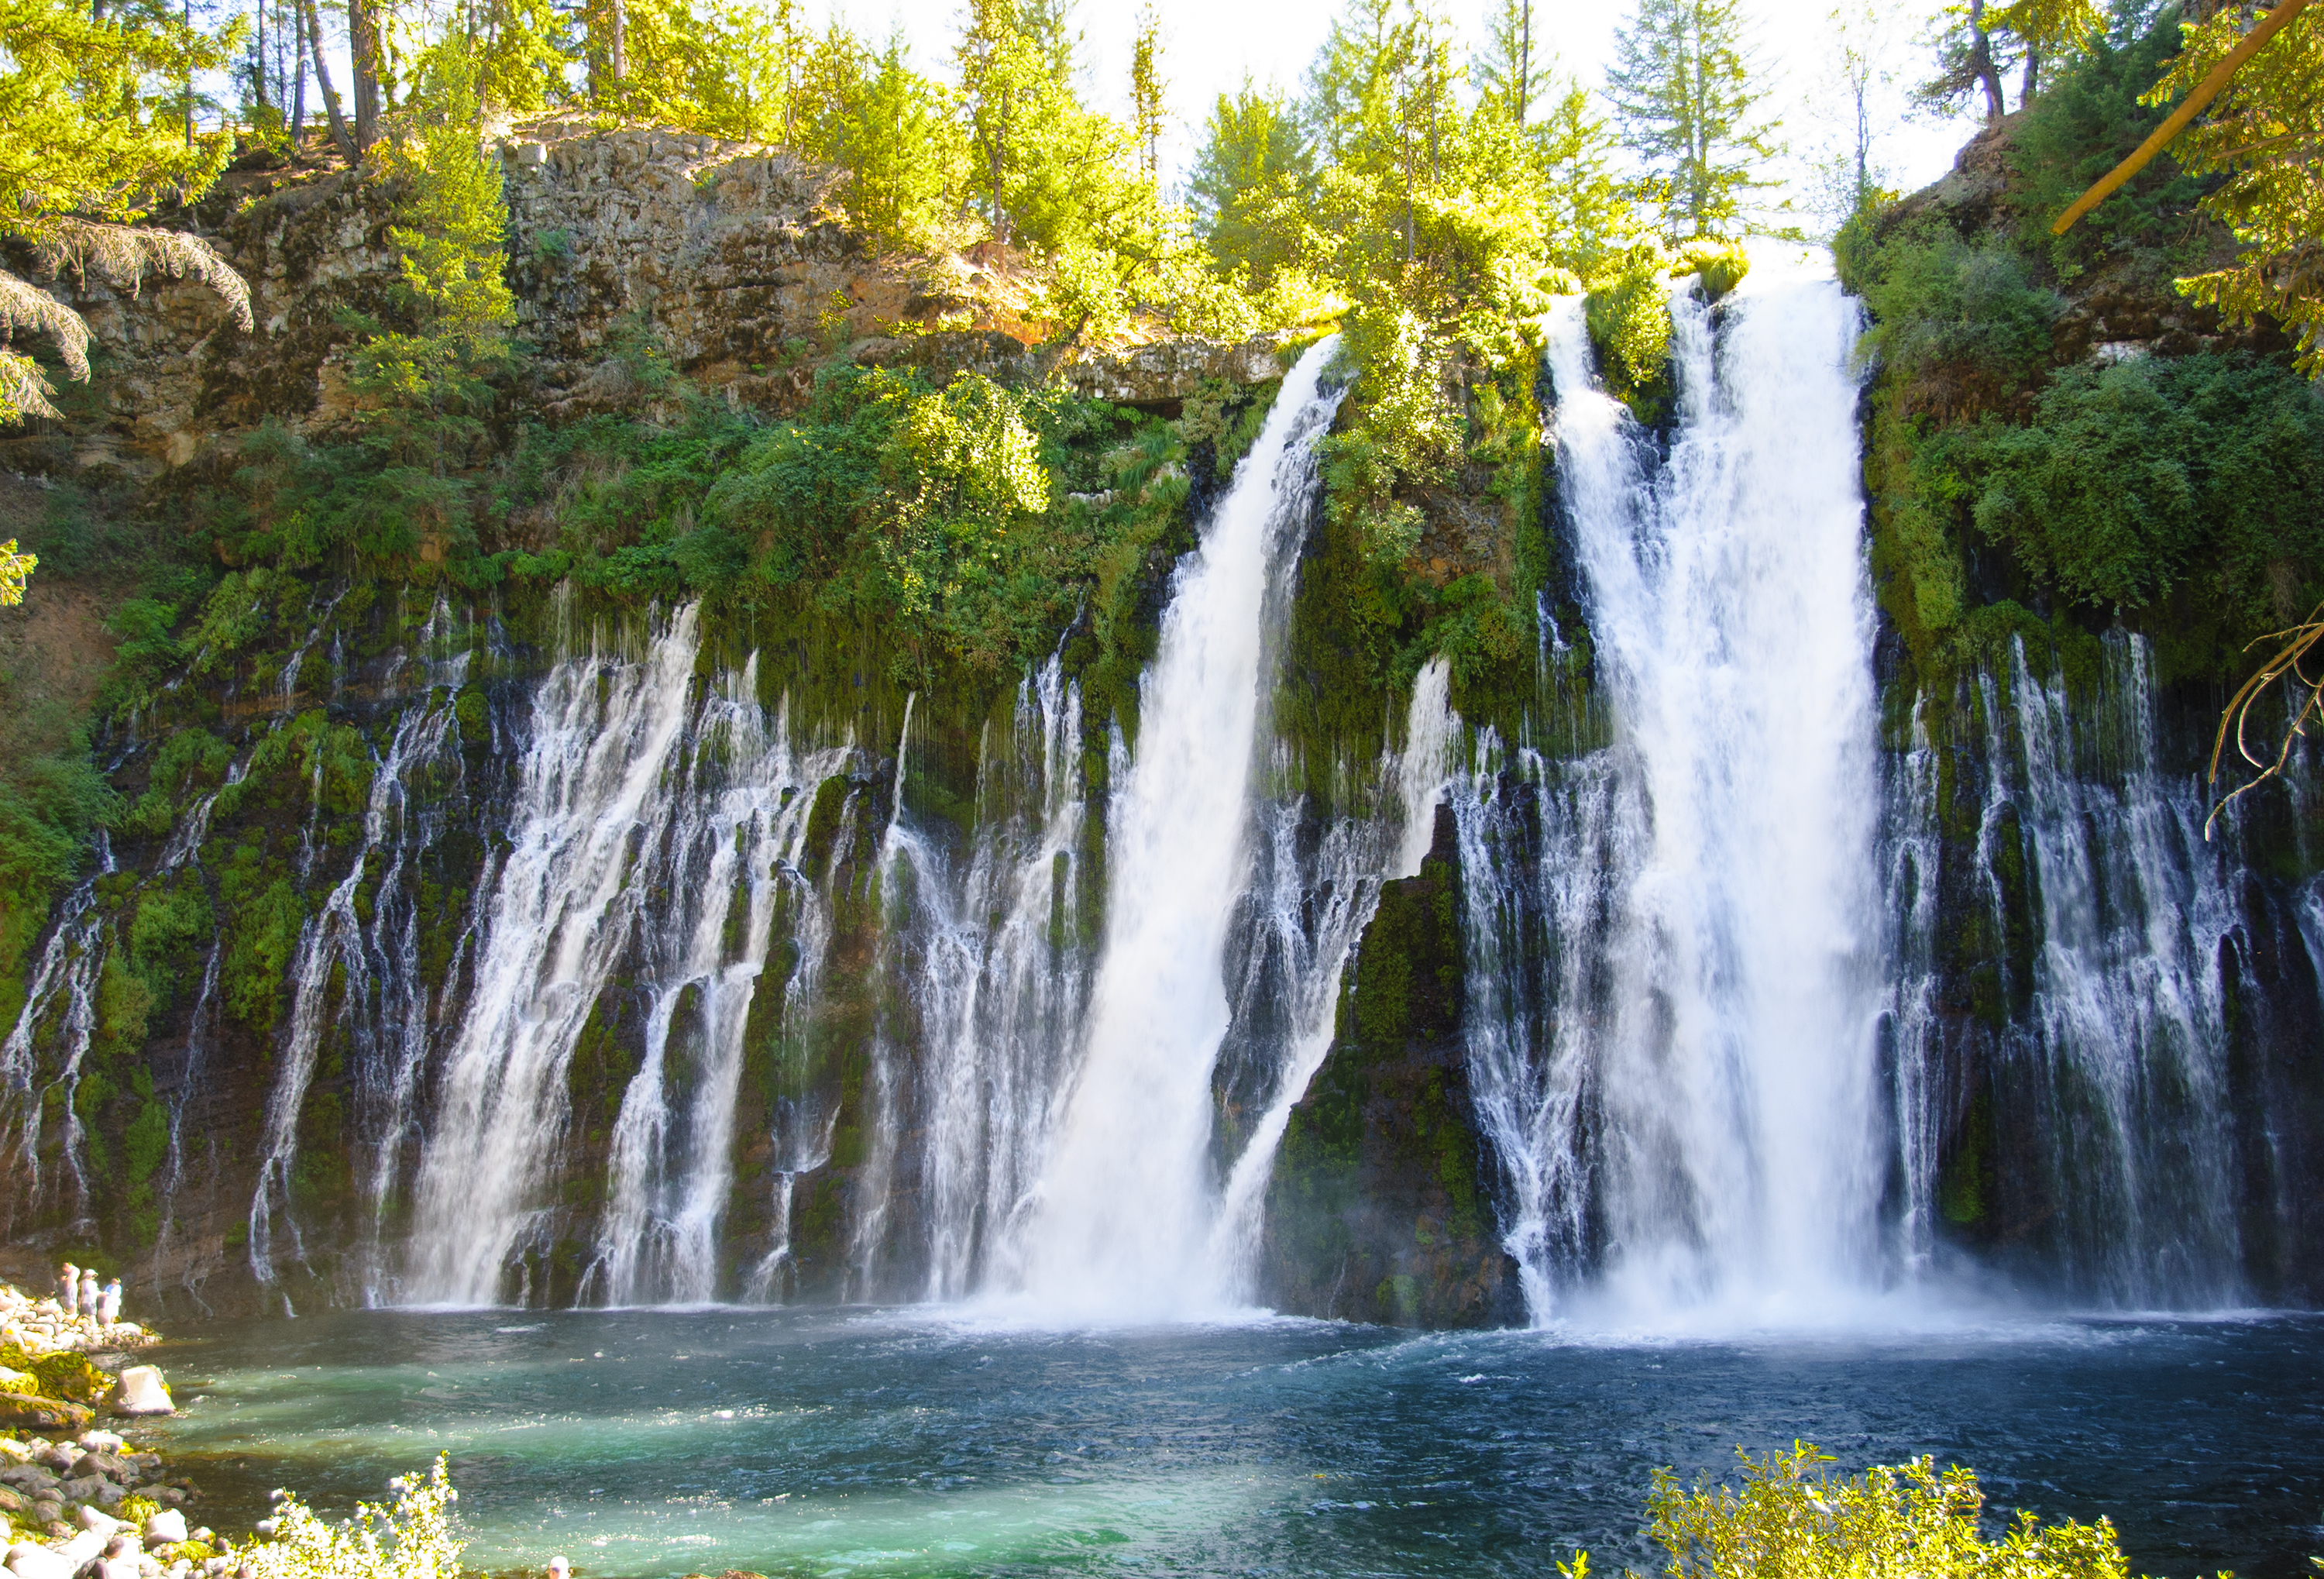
1121 1214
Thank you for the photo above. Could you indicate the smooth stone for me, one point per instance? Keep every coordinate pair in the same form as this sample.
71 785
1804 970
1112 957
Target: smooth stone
101 1525
143 1392
82 1548
118 1568
101 1441
27 1560
165 1528
22 1412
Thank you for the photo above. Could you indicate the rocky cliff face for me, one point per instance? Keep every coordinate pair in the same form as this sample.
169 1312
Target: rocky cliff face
730 258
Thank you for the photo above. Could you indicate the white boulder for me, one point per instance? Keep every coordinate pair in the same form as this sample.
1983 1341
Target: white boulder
143 1392
27 1560
165 1528
100 1525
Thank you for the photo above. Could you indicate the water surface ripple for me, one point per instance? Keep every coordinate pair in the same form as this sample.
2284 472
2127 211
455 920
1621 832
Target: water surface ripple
795 1442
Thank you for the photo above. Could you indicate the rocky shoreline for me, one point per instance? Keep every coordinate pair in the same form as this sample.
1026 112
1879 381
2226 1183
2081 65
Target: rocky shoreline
82 1501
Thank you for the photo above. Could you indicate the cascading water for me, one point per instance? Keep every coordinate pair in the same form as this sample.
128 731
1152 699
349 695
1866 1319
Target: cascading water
999 978
652 830
1121 1216
595 794
1682 1093
2105 1022
739 817
357 973
63 994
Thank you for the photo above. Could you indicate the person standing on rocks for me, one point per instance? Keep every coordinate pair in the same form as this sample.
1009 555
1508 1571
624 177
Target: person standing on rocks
109 1310
88 1293
68 1289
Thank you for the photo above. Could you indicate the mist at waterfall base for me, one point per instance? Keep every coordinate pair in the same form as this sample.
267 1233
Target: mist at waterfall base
918 1442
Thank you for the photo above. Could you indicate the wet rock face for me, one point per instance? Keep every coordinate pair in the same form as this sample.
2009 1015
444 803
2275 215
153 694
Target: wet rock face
1380 1208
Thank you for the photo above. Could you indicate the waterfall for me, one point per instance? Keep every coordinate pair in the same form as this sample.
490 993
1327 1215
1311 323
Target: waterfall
1121 1215
739 818
596 793
357 973
1307 917
2104 1018
1682 1093
63 991
998 976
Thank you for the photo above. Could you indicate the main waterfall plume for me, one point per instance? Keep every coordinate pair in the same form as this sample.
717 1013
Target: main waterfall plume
1700 1125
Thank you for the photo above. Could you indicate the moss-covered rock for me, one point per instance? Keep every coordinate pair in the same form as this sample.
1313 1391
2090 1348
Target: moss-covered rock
1380 1209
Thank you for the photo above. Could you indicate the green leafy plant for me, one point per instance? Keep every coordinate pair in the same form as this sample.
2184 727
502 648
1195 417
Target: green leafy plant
1793 1518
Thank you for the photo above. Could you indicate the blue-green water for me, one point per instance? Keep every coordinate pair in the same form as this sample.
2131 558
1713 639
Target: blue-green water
877 1442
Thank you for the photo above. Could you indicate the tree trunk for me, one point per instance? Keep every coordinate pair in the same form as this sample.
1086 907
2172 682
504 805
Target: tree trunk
1525 61
339 133
363 57
1981 61
298 74
620 47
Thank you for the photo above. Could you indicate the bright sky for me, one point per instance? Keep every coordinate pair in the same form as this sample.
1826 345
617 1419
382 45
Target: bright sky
1209 45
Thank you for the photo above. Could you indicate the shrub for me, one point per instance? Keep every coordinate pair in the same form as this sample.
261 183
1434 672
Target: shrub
2135 476
1792 1519
412 1540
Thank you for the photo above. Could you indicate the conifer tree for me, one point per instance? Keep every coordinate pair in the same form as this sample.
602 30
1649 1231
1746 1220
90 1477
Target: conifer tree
1683 95
1506 70
1252 182
1146 90
90 139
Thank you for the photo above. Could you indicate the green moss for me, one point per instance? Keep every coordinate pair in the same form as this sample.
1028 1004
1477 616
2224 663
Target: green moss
1629 324
68 1374
822 831
476 727
1965 1183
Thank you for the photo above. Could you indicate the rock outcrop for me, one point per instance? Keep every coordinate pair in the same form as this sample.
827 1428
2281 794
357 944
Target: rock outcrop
732 261
1382 1208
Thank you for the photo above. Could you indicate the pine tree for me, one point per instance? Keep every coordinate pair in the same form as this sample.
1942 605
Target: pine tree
90 136
1685 98
1145 90
1252 183
1506 70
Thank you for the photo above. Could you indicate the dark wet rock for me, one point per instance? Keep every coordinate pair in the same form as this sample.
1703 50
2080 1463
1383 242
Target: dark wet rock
1380 1209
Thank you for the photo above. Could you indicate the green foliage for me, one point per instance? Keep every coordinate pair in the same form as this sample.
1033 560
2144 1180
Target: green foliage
1683 92
170 922
2263 136
261 937
906 158
1253 174
412 1540
2136 477
2092 115
91 134
1793 1520
1629 324
1960 327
